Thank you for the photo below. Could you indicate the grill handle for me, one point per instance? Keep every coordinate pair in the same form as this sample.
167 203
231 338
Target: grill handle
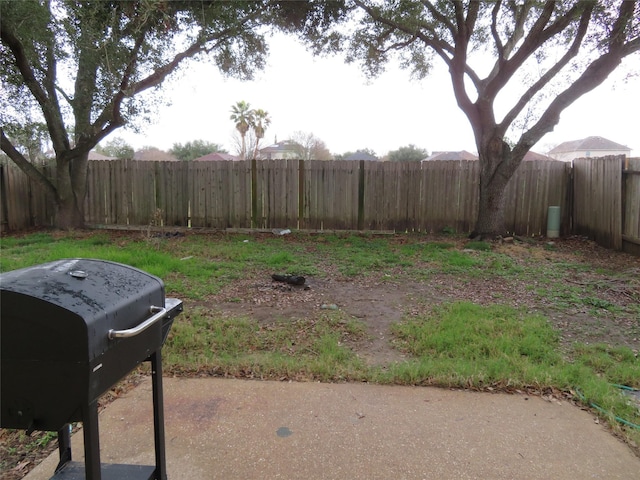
159 312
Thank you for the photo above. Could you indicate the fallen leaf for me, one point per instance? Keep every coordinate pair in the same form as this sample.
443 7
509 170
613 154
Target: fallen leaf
22 465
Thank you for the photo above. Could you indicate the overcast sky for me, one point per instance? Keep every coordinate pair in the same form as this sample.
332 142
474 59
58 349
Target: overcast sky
336 103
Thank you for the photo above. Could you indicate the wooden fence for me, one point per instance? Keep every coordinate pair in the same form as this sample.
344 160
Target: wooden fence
316 195
607 201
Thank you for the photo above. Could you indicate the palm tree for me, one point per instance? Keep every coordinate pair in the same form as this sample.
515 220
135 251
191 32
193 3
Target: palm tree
242 115
260 123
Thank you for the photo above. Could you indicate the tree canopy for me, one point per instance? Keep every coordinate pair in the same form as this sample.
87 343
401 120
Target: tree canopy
535 57
87 68
345 155
409 153
194 149
116 147
309 147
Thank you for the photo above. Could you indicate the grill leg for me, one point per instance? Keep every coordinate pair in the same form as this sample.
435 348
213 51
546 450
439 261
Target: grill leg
91 442
64 446
158 415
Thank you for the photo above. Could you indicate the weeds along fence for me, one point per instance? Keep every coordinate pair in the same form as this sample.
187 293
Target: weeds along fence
316 195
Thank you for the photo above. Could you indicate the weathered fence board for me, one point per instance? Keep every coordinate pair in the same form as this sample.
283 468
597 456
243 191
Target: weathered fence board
448 195
391 195
144 202
331 190
597 204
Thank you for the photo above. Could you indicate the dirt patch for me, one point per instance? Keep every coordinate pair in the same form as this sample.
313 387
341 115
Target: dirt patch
377 306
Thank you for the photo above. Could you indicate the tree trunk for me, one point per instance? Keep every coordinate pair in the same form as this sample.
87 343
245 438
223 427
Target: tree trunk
497 167
70 191
490 222
68 215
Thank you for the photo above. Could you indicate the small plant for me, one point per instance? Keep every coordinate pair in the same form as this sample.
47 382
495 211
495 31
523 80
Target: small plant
156 223
45 439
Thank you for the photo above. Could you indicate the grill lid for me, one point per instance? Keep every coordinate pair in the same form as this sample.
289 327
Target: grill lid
65 309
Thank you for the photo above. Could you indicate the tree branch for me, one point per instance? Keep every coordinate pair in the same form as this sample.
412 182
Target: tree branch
472 16
494 32
459 65
534 39
571 53
443 49
26 166
520 13
111 117
443 19
49 107
504 51
594 75
617 36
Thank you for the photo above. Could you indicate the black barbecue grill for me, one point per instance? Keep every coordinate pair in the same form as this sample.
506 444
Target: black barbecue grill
69 331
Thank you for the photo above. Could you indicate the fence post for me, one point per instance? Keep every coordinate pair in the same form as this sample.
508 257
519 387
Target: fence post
361 196
254 193
301 194
570 197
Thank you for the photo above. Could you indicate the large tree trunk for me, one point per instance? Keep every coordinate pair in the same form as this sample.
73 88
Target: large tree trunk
71 181
498 165
69 215
490 222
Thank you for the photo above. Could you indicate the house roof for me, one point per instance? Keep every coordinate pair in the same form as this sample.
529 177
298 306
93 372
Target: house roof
360 156
464 155
215 156
533 156
285 146
461 155
589 143
93 155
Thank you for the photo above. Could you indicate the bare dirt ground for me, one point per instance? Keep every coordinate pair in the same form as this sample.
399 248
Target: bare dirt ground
380 300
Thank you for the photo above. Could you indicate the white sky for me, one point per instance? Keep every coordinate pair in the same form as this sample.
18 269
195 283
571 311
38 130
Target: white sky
336 103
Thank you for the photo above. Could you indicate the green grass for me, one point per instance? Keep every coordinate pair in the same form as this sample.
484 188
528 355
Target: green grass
494 345
455 344
294 348
193 268
357 255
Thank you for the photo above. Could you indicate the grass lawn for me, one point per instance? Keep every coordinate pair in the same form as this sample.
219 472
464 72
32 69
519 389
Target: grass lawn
558 318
